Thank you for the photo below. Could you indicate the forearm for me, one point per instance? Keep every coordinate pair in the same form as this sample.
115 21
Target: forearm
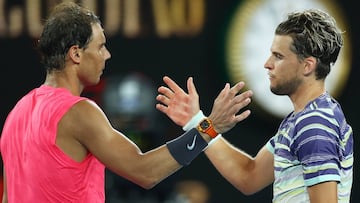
236 166
159 164
165 160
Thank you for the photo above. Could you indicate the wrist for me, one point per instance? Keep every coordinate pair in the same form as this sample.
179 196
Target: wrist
206 126
212 141
185 148
194 121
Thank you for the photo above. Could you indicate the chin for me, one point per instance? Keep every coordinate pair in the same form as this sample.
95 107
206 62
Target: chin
275 91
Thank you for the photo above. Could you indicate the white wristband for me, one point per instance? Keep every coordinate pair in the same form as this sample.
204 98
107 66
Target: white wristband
194 121
214 139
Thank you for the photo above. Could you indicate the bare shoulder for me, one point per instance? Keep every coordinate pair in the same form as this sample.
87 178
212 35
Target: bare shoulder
86 129
84 108
81 127
88 119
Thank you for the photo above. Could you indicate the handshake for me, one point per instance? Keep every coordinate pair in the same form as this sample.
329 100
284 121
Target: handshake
184 109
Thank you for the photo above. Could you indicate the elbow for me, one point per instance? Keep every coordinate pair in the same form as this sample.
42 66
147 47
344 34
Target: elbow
247 187
247 191
147 185
244 189
147 182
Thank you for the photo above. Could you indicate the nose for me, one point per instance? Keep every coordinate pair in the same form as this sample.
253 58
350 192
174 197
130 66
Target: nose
267 64
107 54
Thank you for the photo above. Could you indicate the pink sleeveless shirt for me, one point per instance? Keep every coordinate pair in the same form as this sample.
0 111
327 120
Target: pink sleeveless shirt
36 169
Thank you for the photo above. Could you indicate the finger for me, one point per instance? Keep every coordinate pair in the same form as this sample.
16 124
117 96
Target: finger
242 100
230 94
224 91
172 84
242 116
237 87
162 108
165 91
240 105
241 97
163 99
191 86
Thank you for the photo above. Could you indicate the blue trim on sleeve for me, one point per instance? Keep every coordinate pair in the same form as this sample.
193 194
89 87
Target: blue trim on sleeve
320 179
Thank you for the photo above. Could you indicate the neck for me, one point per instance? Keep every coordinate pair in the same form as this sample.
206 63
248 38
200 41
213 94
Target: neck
60 79
306 94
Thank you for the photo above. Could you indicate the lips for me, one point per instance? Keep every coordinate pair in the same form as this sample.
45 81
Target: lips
271 75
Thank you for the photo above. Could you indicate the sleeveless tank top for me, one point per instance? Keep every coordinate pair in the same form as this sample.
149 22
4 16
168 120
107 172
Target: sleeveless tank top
37 170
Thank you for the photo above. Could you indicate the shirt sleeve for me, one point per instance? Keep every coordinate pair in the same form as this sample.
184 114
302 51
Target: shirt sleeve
270 145
316 146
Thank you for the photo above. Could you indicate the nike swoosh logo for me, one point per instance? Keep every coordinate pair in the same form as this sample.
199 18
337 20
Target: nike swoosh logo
191 147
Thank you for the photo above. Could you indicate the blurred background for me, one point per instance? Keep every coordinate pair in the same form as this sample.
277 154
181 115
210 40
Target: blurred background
213 41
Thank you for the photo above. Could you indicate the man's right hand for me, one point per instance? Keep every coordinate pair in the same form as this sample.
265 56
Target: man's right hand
178 105
225 112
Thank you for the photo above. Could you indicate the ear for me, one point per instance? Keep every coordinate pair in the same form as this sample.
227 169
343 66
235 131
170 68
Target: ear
74 54
310 65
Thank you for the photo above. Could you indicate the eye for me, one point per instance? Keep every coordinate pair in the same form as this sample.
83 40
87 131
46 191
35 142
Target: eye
278 56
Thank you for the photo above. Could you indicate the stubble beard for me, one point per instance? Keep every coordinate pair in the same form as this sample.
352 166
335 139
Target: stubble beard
286 88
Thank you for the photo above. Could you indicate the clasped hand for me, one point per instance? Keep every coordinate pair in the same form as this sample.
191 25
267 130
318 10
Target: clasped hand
180 106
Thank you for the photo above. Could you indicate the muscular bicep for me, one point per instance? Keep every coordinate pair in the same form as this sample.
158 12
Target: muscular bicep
89 131
325 192
92 132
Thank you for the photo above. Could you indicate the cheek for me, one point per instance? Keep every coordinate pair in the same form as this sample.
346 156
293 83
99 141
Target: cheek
286 69
93 60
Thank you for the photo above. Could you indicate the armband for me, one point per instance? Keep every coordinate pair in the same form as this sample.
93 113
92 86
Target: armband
187 147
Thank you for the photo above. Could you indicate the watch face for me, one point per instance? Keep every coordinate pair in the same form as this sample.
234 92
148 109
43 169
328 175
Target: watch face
204 124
